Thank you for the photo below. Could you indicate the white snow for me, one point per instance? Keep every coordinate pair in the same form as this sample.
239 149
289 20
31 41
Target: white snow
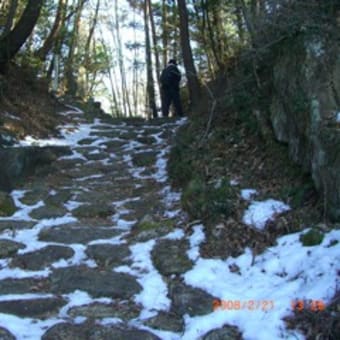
283 273
24 210
28 296
195 240
234 182
70 135
161 163
263 287
338 117
154 294
75 155
260 212
177 234
247 194
71 205
26 328
16 273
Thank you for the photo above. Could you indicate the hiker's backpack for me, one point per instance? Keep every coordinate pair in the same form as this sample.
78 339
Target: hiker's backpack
170 76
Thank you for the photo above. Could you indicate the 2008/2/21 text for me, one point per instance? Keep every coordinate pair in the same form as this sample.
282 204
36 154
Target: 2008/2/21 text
251 305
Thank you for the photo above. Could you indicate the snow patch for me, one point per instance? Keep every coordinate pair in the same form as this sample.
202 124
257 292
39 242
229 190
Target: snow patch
337 117
282 274
260 212
154 294
195 240
248 194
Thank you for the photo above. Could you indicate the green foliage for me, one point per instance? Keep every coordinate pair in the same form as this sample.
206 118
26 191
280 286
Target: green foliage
179 166
312 238
249 120
204 196
202 200
7 207
150 225
182 155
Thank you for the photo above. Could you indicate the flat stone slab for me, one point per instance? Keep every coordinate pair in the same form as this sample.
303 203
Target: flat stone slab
169 257
125 311
128 135
225 333
16 225
34 195
97 156
189 300
79 173
109 133
108 193
146 158
86 141
48 211
6 335
148 140
83 235
90 331
24 286
70 163
113 144
166 321
108 254
40 308
145 235
42 258
9 248
59 198
97 283
148 204
98 209
7 206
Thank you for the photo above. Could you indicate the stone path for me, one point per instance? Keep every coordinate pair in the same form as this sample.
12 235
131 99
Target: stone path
96 248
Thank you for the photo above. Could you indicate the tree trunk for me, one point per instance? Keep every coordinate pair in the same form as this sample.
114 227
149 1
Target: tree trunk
201 23
175 31
151 102
239 21
211 30
165 33
190 70
11 43
87 58
58 24
71 82
119 46
155 45
248 21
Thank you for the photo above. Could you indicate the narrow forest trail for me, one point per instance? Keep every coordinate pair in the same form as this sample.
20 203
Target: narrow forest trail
100 248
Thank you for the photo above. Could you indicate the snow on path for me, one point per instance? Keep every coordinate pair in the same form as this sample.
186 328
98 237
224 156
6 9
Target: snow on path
255 298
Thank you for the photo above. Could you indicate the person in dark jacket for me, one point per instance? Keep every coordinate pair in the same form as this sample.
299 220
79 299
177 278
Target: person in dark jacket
170 78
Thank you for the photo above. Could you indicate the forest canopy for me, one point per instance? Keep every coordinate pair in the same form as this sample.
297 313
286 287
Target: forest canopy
115 50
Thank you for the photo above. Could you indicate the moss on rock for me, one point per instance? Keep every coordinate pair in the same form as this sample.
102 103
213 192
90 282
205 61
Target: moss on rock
7 206
312 238
204 200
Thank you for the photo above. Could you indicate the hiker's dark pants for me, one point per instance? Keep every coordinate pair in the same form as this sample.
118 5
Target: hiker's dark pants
171 96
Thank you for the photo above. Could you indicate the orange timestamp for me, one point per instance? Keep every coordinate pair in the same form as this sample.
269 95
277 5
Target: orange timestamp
251 305
299 305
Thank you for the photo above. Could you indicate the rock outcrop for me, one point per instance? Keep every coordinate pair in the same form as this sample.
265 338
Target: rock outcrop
18 162
304 111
